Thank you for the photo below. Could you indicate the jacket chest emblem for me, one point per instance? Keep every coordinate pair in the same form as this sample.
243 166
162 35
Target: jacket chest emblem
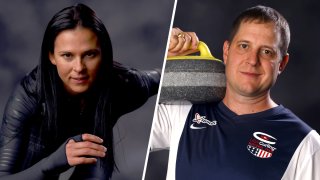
201 122
262 145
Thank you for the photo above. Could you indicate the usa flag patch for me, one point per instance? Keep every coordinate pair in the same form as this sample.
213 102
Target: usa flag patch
261 145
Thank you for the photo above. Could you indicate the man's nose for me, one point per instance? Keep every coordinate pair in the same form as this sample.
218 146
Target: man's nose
253 57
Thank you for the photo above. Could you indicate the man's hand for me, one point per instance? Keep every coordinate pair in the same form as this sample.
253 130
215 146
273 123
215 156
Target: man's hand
182 43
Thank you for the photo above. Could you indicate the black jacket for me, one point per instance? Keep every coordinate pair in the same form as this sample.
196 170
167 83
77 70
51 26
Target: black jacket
23 156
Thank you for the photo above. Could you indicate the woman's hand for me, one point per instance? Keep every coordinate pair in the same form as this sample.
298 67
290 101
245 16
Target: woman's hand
182 43
86 151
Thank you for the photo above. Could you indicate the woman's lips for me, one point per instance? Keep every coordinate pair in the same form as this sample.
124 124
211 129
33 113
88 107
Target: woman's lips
80 80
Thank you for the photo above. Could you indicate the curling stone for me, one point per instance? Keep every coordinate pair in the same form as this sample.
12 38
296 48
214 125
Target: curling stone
197 79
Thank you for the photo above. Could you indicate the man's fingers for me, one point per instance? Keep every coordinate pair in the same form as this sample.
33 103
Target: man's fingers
179 45
182 43
187 43
174 39
194 40
189 52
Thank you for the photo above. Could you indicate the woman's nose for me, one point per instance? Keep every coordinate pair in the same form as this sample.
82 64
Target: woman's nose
78 65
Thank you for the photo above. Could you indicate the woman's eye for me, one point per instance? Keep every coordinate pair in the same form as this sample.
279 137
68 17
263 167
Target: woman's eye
90 54
66 55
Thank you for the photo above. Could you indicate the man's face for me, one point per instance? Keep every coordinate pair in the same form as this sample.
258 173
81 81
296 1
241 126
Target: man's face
253 60
77 56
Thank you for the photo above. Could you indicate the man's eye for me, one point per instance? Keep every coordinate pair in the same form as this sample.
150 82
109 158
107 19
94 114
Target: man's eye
243 46
265 51
268 54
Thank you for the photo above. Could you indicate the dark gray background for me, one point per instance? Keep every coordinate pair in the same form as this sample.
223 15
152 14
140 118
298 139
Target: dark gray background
298 86
138 30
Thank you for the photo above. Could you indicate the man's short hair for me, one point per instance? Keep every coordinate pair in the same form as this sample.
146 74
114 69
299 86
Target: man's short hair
263 14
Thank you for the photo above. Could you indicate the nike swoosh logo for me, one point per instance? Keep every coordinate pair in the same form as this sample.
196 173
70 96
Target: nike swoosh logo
193 127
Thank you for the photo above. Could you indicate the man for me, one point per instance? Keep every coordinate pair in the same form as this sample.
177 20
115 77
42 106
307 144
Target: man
247 135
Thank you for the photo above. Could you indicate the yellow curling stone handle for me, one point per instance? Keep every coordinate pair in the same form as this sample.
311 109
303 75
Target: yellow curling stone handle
205 54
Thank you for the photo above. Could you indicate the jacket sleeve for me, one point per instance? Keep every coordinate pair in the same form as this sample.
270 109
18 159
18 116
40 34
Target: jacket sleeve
20 109
133 87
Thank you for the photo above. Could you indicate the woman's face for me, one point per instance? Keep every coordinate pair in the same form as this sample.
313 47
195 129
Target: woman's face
77 56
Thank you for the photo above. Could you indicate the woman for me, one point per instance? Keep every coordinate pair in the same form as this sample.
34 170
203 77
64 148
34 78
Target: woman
62 113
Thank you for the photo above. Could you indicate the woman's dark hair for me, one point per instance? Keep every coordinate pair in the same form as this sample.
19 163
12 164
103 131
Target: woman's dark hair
50 84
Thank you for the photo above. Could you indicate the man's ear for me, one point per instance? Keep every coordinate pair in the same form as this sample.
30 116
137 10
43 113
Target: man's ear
226 45
52 59
283 63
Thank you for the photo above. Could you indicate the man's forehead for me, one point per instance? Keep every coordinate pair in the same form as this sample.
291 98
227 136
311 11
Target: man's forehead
265 28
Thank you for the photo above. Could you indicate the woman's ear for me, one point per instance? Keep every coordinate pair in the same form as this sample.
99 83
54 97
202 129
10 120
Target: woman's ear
52 59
